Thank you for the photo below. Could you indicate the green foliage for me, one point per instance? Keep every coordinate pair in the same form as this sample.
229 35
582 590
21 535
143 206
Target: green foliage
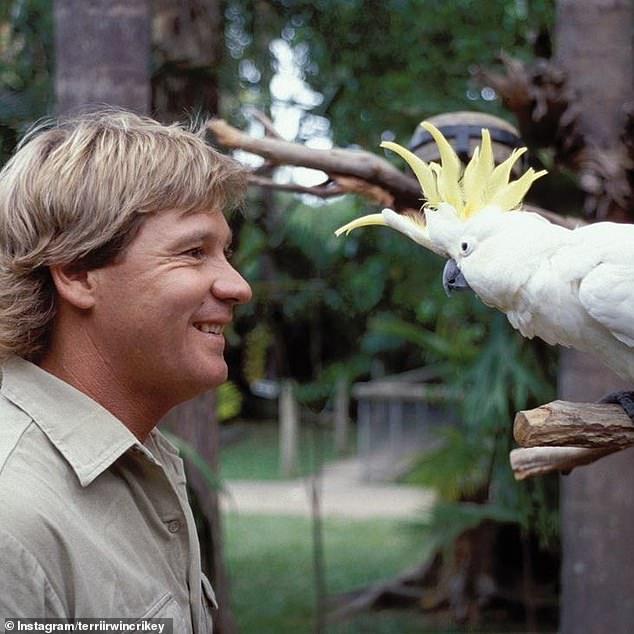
461 347
256 345
380 64
458 467
507 374
450 520
26 51
228 401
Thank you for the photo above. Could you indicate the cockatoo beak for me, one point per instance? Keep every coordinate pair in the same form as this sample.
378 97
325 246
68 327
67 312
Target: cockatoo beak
414 229
453 279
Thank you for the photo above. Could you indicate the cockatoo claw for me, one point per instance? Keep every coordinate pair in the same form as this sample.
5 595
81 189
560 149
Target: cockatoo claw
624 398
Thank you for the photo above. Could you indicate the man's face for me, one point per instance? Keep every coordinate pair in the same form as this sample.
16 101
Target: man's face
161 307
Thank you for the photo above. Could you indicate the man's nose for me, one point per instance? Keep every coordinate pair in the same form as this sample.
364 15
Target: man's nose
231 286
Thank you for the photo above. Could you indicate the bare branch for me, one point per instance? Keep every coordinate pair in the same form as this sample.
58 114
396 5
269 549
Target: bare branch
323 191
358 164
269 127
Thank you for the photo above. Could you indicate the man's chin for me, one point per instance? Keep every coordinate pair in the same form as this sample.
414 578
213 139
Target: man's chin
215 376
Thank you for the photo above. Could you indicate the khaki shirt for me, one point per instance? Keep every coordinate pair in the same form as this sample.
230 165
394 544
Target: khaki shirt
93 523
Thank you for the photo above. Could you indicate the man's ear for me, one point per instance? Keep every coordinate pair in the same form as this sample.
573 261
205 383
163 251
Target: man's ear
74 284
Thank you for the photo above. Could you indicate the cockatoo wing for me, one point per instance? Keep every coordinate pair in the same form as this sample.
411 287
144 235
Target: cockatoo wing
607 293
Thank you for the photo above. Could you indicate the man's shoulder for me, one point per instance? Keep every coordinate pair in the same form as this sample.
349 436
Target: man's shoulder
14 424
32 475
31 468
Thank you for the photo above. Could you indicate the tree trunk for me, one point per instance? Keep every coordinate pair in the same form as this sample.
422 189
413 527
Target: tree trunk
188 49
102 52
597 507
594 47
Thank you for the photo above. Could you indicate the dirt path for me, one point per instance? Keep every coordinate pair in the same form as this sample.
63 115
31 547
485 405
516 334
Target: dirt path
343 494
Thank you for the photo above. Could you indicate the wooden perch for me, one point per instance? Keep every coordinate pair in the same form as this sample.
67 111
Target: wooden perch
561 435
533 461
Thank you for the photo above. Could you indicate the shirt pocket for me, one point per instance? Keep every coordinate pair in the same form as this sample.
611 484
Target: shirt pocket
209 604
167 608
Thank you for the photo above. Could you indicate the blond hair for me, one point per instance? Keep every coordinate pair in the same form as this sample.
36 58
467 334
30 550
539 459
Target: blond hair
76 193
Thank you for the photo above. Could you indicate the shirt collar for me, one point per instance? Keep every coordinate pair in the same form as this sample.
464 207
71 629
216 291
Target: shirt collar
88 436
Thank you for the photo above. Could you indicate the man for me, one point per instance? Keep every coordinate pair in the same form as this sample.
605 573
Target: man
114 291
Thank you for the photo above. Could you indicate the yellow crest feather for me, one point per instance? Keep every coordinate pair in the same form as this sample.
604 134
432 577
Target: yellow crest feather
479 184
451 189
421 170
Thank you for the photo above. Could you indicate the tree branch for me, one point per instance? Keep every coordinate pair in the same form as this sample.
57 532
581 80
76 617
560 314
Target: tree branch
562 435
350 171
359 164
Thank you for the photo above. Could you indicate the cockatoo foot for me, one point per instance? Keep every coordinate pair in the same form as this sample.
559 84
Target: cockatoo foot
623 398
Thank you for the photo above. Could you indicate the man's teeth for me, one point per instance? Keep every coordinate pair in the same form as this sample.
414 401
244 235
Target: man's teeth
214 329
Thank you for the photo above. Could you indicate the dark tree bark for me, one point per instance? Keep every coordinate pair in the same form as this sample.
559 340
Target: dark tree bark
102 54
597 507
594 47
188 49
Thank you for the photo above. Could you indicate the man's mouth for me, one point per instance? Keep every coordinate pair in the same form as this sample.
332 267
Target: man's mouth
209 328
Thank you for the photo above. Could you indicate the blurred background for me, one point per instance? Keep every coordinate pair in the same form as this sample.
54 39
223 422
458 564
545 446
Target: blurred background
353 474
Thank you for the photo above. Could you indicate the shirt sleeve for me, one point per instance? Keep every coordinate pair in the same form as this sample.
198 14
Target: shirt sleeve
25 591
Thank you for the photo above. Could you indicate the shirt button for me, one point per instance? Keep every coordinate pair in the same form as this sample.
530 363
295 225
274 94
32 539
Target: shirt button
174 526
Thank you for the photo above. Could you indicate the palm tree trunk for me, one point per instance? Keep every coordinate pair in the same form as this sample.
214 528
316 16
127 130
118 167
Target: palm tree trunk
102 54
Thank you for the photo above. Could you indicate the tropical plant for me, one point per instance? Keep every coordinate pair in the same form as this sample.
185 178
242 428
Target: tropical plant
26 45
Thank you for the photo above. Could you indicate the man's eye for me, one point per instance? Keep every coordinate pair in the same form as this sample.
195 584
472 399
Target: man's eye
197 253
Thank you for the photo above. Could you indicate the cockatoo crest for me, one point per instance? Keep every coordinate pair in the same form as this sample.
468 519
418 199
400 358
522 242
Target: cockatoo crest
450 188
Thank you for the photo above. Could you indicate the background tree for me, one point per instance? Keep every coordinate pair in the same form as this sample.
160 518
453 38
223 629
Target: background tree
595 575
101 54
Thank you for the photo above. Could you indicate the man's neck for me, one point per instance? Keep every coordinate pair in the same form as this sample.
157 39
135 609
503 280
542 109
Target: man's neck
97 380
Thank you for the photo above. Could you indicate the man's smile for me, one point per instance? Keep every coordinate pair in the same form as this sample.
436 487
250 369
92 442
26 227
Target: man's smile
209 327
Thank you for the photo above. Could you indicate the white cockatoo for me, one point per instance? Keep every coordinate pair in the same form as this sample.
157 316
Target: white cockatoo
573 287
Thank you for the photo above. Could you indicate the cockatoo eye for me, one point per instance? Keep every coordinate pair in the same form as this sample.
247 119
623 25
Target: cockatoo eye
466 247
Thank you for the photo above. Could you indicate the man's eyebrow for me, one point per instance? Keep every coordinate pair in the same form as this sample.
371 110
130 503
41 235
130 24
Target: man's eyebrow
185 239
200 235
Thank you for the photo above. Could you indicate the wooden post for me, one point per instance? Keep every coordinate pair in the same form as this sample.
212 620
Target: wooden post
289 429
342 421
